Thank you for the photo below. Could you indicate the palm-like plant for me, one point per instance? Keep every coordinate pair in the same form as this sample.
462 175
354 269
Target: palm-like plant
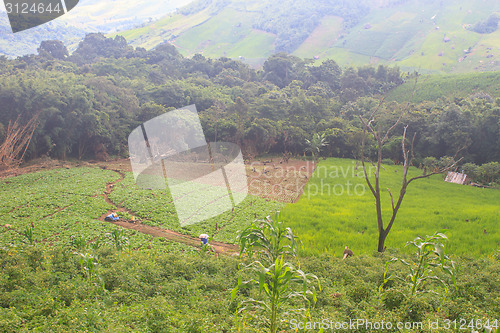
315 145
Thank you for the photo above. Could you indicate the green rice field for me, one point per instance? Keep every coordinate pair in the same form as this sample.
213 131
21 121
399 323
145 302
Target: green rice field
337 209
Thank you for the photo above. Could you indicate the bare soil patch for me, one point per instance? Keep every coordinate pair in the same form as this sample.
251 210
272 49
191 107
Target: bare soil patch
277 181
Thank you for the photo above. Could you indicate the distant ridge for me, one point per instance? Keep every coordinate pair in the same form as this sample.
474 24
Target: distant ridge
431 36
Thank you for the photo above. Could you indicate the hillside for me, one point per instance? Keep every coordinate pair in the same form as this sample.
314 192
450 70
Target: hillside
433 87
427 35
88 16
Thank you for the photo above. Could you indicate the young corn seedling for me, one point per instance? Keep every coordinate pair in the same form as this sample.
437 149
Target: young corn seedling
430 255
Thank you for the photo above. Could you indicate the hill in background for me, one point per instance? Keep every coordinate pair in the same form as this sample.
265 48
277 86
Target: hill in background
88 16
433 36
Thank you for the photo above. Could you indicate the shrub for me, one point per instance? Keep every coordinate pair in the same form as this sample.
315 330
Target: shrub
387 161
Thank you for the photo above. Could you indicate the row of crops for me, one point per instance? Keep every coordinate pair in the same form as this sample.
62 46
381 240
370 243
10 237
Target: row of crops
156 208
63 204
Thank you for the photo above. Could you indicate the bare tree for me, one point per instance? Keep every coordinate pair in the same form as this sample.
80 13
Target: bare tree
381 138
16 142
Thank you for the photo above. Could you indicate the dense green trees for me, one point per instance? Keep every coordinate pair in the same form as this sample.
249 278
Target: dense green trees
91 100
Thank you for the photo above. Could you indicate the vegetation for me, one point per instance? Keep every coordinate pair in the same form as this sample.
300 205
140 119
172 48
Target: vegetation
430 36
453 86
488 26
277 278
430 256
57 205
156 208
114 88
488 173
16 140
382 136
43 288
65 269
336 210
315 145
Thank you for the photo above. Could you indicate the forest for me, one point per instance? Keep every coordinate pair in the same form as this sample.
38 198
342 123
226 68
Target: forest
88 102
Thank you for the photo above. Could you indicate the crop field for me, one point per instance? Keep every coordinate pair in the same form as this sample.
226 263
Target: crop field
433 87
156 208
322 38
63 204
164 286
337 209
229 34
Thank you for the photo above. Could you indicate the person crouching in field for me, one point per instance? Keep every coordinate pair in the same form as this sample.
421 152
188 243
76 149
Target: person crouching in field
204 239
347 253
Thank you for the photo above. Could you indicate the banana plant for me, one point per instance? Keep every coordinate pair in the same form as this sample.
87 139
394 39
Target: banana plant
315 145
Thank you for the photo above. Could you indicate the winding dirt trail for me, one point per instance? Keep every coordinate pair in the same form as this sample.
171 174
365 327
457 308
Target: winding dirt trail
219 247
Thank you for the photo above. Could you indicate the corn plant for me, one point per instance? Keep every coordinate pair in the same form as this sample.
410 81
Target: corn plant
88 266
118 239
278 281
269 239
29 235
430 255
79 243
96 244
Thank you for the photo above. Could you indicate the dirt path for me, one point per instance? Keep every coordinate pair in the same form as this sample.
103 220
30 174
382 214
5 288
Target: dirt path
219 247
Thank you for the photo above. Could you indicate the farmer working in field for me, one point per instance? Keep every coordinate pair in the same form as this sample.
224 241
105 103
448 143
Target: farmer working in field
204 239
347 253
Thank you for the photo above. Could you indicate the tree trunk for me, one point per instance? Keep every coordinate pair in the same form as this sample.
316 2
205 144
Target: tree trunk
381 241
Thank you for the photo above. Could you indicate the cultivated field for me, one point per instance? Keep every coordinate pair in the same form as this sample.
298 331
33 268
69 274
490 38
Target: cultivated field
64 203
337 209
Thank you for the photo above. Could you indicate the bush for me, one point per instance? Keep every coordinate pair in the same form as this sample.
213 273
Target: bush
393 299
387 161
416 309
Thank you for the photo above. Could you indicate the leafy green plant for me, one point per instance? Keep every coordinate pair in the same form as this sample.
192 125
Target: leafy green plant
96 244
430 255
79 243
119 239
278 281
88 266
29 235
267 239
315 145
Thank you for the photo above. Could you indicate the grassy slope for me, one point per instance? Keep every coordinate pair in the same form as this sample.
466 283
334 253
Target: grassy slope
227 34
327 222
409 35
433 87
152 291
322 38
